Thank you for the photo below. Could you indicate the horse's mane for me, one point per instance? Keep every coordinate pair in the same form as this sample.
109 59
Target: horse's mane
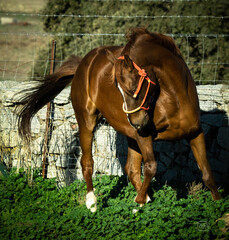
157 38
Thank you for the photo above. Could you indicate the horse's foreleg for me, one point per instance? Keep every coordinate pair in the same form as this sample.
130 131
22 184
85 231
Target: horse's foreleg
150 166
133 164
199 151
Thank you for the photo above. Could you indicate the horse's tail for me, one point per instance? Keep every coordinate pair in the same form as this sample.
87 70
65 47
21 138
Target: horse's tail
33 99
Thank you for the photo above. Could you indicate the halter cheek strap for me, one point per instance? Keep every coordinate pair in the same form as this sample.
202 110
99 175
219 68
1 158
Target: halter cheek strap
143 76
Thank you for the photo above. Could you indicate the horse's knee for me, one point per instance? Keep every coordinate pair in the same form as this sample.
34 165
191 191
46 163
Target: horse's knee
87 164
206 178
150 168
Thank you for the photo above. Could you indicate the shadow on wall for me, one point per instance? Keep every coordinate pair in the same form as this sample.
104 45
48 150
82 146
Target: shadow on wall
176 163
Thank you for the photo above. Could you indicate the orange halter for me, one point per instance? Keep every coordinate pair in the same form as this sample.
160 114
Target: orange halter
143 76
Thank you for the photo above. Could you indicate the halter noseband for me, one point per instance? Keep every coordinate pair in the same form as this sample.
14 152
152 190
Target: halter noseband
143 76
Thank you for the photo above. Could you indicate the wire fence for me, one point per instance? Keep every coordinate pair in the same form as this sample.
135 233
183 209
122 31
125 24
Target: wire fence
20 45
19 68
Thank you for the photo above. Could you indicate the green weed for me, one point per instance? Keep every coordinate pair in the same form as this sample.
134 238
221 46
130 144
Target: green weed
40 210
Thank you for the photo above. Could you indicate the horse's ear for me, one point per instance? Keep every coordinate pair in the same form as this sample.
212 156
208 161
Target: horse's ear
110 56
128 62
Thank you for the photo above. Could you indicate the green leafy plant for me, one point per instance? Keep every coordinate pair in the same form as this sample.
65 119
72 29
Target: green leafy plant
39 210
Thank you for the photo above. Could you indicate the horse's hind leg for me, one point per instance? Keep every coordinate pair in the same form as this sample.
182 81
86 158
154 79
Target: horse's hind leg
199 151
86 136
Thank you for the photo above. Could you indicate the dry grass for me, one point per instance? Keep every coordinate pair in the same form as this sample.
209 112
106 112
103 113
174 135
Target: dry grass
22 5
18 44
225 218
195 188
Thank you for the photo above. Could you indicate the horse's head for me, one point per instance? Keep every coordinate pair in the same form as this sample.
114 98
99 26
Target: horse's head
137 86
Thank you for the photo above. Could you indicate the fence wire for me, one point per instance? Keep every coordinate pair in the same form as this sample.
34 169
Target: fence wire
15 66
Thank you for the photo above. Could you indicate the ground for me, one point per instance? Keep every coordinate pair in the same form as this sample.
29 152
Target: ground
19 48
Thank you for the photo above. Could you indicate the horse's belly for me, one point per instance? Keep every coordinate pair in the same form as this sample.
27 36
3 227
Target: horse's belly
170 135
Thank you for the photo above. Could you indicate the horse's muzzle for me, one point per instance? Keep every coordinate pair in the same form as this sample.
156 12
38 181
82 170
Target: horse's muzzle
137 126
141 124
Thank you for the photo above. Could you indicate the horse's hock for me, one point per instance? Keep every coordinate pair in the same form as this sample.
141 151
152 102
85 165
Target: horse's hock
175 159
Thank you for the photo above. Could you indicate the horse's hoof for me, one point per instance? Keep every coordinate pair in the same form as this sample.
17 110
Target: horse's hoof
135 211
147 200
91 201
141 204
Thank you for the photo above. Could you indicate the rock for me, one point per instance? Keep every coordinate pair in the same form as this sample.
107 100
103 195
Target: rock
215 120
51 171
66 176
171 175
191 156
206 128
181 147
69 112
37 146
192 165
223 137
187 175
35 125
163 146
115 168
218 166
41 114
63 140
214 146
63 161
37 161
224 156
72 120
63 98
121 148
104 144
10 139
15 163
165 159
161 167
208 106
181 160
214 97
7 120
58 114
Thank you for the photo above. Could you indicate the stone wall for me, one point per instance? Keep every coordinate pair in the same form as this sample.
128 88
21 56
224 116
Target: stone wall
175 159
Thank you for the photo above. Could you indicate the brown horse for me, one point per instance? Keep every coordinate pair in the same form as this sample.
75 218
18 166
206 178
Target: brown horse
145 91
